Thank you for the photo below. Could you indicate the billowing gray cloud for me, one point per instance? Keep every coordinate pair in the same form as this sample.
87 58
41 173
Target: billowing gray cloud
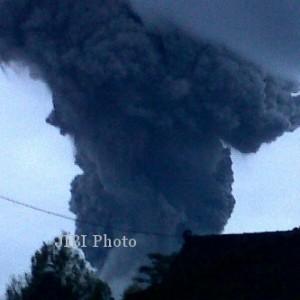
149 112
266 31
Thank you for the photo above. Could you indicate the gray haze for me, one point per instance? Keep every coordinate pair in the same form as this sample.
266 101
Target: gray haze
266 31
149 112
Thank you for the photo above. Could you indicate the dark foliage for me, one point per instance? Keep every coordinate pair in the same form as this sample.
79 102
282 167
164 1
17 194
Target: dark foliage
151 274
58 274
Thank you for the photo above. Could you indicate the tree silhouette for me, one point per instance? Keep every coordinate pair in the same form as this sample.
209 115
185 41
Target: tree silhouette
58 273
152 274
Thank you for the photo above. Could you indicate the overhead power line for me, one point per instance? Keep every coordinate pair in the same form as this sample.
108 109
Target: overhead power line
98 225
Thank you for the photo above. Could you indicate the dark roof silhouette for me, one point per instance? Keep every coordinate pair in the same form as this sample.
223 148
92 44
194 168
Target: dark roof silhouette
262 266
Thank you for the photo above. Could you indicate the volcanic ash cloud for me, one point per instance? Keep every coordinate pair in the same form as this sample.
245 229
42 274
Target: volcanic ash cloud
149 113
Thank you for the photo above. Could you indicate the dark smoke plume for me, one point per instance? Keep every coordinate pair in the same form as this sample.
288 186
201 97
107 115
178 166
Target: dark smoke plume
149 114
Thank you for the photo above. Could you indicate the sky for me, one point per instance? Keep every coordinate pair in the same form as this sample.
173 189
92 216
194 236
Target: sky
36 167
36 162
